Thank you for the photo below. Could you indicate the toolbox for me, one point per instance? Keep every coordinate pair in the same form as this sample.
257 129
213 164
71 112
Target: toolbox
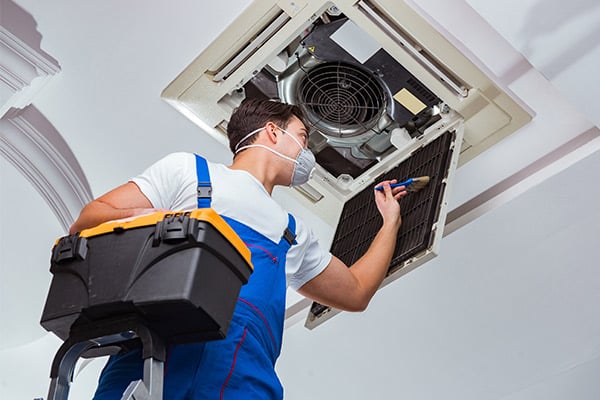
178 272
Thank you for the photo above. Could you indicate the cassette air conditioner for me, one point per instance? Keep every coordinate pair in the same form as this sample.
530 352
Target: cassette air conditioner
385 95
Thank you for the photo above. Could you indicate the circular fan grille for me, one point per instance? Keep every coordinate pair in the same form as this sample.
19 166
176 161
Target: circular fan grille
341 99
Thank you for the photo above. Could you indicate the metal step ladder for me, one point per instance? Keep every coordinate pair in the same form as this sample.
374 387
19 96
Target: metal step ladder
126 332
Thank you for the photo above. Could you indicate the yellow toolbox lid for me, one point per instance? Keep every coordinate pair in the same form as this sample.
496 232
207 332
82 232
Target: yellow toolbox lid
202 214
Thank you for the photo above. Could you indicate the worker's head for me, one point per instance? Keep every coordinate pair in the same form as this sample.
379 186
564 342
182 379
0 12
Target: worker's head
276 127
253 114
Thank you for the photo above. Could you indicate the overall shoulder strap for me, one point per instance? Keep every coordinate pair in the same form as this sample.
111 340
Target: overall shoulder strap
204 186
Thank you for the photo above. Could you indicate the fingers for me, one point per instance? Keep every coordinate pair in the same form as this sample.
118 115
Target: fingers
386 199
400 193
387 191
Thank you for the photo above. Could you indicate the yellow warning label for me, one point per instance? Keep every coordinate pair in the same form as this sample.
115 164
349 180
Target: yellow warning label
409 101
311 49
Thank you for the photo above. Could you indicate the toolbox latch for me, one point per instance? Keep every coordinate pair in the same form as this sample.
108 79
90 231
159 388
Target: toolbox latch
69 248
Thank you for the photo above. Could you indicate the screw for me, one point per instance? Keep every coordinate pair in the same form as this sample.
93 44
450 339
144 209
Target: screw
333 10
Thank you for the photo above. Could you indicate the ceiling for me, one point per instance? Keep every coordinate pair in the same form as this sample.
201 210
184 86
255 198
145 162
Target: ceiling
508 310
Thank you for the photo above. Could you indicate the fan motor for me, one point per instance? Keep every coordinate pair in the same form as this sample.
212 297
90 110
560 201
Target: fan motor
341 99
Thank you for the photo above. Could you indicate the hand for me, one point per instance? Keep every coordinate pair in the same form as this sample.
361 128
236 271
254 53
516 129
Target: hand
137 212
387 202
143 211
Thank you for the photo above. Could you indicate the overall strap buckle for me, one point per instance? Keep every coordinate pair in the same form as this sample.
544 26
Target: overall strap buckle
204 190
289 236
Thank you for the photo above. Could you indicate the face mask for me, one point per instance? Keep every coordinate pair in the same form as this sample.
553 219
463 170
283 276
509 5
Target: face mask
305 161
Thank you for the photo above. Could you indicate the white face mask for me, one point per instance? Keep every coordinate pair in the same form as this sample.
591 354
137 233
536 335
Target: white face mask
305 161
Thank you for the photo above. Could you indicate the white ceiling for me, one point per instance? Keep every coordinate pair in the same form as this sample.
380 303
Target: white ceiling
509 310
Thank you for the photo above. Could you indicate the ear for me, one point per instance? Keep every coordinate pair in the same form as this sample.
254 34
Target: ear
271 132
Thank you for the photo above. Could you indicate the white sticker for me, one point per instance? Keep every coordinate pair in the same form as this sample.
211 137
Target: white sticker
355 41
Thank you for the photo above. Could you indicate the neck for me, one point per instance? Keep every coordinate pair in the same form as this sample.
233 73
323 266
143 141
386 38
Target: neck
260 165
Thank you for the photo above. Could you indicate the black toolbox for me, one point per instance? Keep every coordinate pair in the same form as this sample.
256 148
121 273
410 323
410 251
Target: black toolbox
179 272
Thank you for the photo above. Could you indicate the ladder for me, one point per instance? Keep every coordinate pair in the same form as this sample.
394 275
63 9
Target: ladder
125 332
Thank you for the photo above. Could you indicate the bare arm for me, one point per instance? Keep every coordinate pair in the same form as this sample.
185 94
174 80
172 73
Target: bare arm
124 201
352 288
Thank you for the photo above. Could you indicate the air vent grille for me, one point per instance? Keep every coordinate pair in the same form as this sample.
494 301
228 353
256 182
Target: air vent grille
341 99
423 91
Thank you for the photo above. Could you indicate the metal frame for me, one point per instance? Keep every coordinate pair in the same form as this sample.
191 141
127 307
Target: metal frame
110 332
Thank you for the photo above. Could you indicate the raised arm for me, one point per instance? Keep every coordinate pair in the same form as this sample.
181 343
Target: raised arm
124 201
352 288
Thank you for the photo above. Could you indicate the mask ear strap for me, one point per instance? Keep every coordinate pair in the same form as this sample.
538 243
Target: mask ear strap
268 148
292 136
254 132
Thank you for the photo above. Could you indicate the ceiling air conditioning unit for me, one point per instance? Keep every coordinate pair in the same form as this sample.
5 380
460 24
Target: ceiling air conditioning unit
386 96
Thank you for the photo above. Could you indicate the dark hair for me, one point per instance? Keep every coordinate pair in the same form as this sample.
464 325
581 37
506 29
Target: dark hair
255 113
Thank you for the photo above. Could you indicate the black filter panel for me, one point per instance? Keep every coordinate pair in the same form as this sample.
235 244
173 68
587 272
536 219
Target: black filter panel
360 220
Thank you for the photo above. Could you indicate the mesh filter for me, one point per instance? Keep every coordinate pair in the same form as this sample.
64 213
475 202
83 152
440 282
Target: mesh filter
360 220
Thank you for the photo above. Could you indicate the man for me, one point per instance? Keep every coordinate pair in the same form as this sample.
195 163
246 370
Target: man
269 141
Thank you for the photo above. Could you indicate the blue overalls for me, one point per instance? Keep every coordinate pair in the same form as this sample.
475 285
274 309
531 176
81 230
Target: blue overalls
241 366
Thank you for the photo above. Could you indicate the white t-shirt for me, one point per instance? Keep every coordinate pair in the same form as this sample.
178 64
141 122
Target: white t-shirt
171 183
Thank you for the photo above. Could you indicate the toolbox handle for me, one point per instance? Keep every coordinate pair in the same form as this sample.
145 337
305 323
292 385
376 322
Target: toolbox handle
175 228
